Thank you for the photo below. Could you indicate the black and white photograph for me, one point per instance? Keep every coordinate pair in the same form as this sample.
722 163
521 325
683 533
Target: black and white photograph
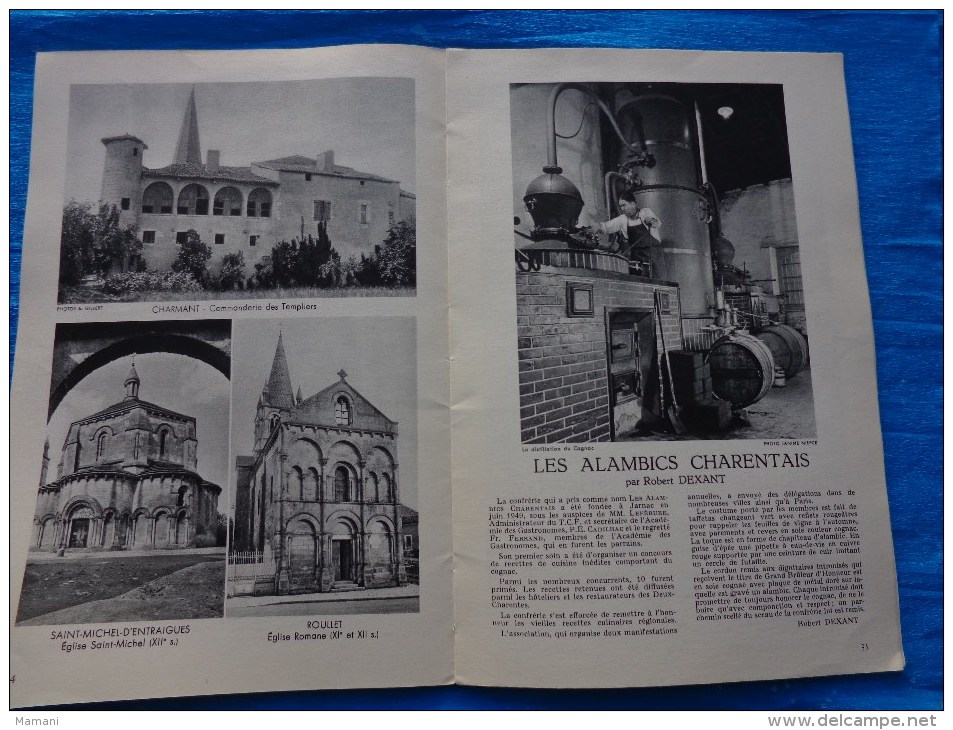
324 510
129 522
658 276
239 191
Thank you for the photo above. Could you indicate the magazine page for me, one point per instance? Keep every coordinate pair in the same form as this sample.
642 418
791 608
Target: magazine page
231 463
666 447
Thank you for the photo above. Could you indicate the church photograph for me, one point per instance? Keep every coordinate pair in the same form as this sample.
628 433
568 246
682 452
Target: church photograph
233 190
129 521
324 498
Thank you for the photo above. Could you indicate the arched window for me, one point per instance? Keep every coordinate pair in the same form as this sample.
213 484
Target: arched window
101 446
342 484
228 201
388 488
163 443
157 198
259 203
342 411
273 421
193 200
373 487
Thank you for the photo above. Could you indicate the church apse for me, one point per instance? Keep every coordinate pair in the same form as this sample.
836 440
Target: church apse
132 471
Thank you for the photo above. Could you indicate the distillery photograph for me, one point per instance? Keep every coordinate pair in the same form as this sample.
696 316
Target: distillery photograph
239 190
129 522
658 273
324 517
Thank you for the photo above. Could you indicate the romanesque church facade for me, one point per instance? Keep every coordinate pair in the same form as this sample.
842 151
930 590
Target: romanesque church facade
127 480
319 497
245 209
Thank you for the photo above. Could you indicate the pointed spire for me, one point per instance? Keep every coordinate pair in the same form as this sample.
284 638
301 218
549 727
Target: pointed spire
278 390
132 382
189 150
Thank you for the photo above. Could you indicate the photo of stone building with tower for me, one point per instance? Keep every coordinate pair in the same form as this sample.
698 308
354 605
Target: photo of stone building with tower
128 522
657 264
319 500
167 188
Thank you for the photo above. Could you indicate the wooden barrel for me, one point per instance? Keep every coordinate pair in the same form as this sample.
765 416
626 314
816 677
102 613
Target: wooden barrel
742 369
787 346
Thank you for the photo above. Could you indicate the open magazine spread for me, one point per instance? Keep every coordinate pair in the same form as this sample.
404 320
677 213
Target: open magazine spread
386 366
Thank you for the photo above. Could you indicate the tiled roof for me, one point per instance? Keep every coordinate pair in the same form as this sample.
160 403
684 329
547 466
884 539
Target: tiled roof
121 137
125 405
300 163
184 170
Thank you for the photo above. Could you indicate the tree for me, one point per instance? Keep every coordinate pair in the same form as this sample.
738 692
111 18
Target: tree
398 255
193 257
76 242
95 242
233 270
114 245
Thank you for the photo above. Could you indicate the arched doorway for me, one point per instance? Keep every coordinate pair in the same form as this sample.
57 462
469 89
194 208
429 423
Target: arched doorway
80 527
343 553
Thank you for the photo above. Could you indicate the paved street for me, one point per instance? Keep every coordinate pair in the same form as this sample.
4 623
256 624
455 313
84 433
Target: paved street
305 607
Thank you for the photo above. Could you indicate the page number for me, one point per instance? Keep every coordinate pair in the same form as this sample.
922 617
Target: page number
865 647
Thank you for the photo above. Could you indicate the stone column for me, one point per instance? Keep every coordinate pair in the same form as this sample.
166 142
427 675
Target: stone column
324 556
361 566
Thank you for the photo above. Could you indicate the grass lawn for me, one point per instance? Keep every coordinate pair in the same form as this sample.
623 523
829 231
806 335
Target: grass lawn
137 588
91 294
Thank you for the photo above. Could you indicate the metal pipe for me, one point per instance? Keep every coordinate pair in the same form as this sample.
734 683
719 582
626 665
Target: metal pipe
609 197
551 163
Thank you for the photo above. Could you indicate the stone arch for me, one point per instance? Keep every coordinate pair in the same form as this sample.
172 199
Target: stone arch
82 348
383 456
343 410
181 528
108 537
46 533
140 529
344 450
193 200
228 201
165 438
310 485
101 440
344 538
296 482
301 536
81 517
344 478
379 543
163 522
157 198
259 203
305 450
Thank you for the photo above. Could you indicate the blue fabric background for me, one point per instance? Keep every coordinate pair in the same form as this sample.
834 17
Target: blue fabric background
893 63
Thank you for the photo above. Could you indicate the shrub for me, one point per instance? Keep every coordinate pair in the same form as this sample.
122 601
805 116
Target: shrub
397 257
193 257
131 282
95 242
232 274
